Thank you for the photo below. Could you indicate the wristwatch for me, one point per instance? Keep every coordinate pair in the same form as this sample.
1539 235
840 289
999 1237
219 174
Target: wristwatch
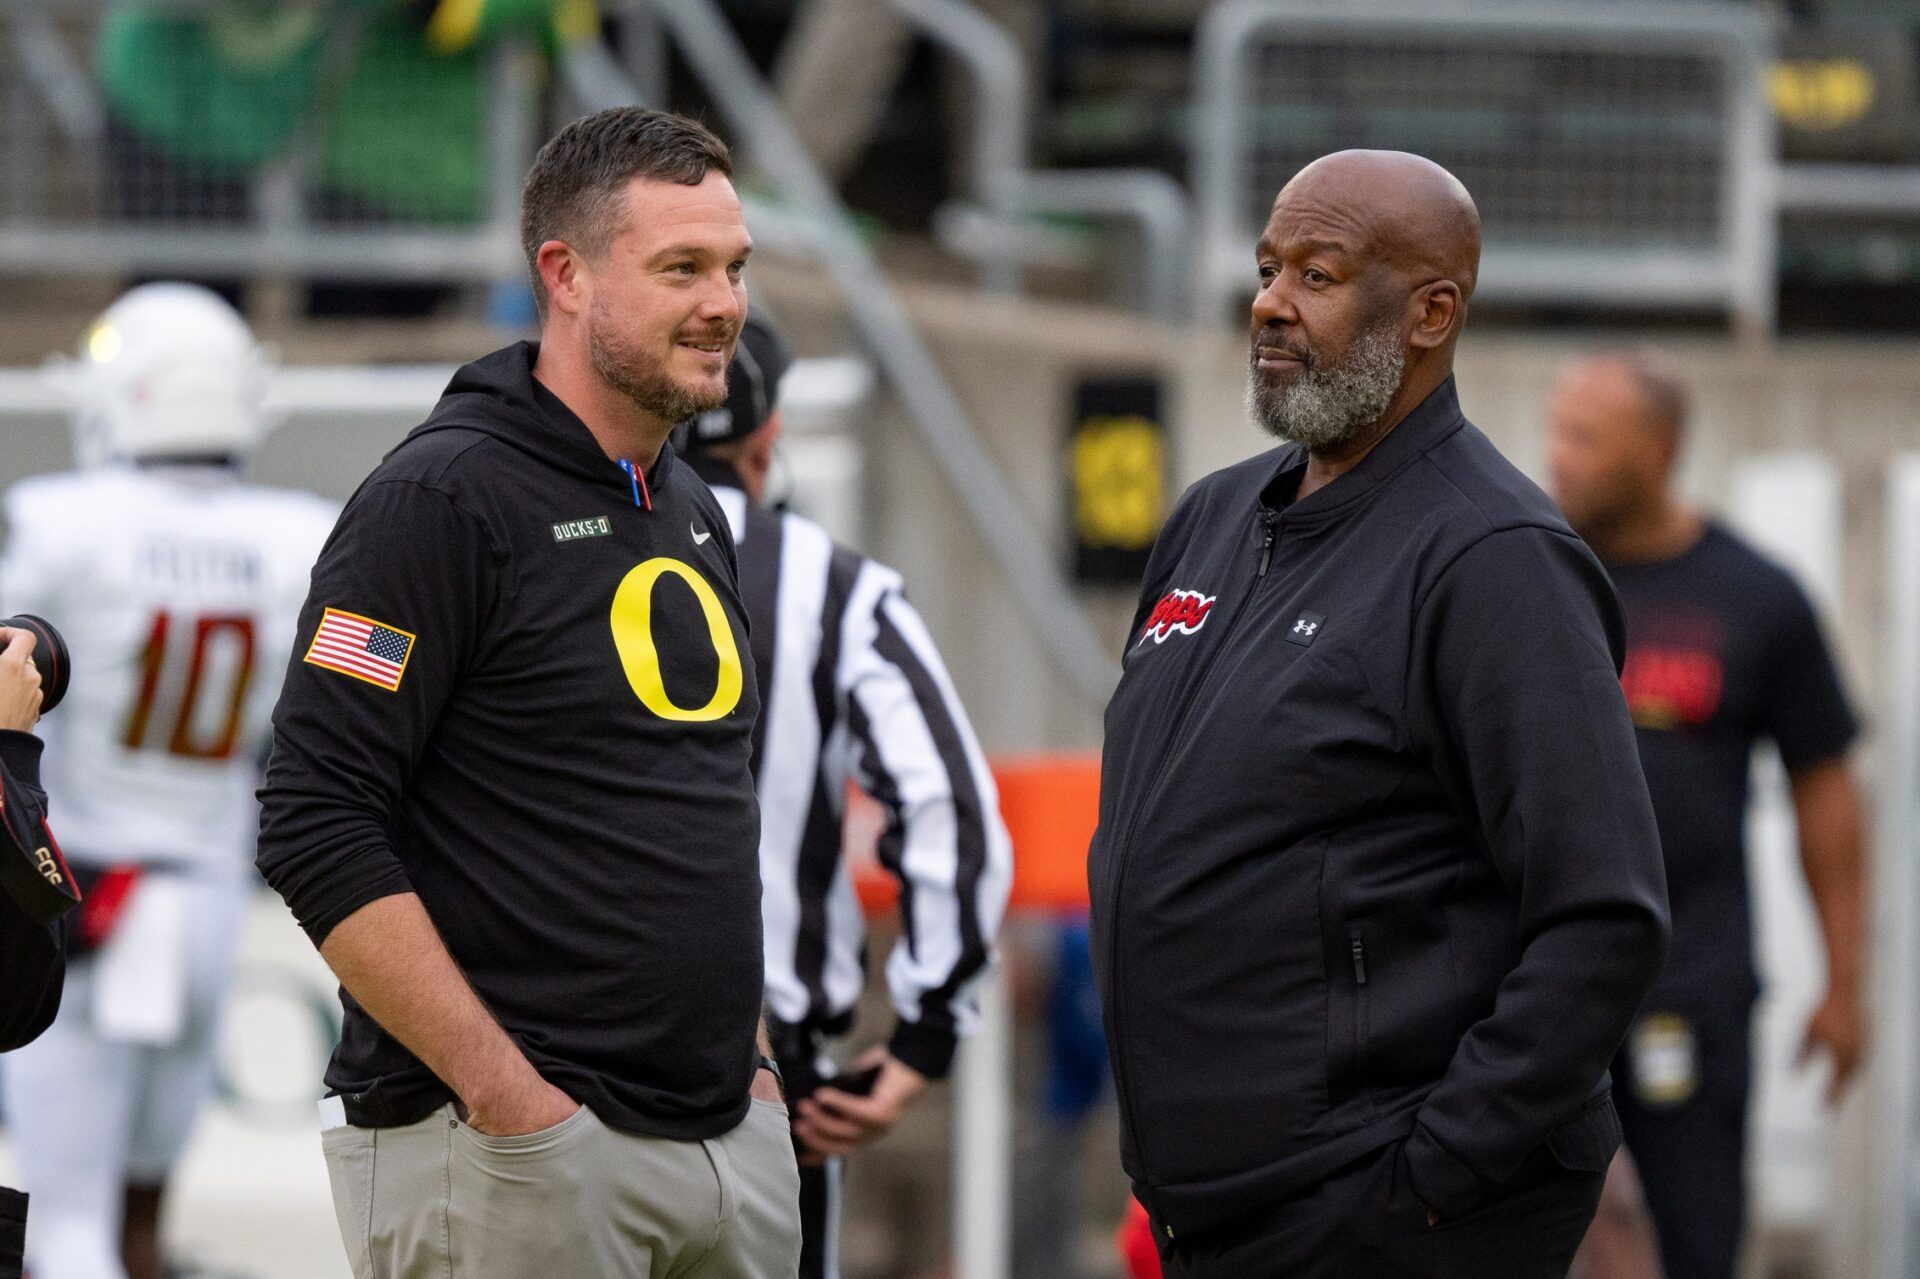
772 1067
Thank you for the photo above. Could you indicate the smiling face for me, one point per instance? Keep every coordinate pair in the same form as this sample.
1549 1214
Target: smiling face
664 302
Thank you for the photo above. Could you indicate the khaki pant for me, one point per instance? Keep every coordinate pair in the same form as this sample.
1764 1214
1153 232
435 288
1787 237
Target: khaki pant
438 1200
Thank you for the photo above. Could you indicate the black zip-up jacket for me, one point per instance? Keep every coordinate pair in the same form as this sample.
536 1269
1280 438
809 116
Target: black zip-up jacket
562 771
1375 858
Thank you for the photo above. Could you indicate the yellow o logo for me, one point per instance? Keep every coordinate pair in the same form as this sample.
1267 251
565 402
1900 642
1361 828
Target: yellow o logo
632 622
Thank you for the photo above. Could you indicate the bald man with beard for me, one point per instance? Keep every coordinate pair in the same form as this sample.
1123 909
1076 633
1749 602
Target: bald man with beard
1376 887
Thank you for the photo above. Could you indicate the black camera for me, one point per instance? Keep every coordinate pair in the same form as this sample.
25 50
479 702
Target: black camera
49 654
32 872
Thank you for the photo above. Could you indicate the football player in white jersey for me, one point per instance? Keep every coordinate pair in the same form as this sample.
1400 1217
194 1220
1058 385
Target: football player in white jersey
177 586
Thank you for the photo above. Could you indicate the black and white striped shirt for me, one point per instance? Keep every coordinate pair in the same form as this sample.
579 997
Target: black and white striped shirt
853 691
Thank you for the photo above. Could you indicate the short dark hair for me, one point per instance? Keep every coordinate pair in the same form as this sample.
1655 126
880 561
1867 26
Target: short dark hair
573 191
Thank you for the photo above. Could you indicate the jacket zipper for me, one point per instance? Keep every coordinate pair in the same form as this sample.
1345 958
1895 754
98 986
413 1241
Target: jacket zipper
1121 846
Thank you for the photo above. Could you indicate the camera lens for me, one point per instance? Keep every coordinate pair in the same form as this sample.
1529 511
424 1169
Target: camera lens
49 654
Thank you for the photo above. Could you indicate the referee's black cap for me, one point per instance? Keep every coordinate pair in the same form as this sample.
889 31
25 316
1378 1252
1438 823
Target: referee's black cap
760 360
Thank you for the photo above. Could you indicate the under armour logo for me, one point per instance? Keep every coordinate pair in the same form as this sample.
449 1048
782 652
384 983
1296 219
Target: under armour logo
1305 628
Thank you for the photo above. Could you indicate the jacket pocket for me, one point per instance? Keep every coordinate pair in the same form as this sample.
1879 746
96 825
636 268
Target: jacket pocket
349 1155
1587 1142
528 1143
1348 1014
1357 951
1391 1000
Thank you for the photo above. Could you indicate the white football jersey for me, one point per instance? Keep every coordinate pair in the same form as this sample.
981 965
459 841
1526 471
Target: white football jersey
178 590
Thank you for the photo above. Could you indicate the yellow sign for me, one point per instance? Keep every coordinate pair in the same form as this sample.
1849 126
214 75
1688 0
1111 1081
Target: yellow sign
1118 486
1820 94
632 621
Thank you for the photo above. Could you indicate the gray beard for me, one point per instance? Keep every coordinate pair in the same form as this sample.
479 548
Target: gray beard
644 380
1326 406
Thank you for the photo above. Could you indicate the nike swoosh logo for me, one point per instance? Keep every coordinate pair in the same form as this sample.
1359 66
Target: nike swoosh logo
699 538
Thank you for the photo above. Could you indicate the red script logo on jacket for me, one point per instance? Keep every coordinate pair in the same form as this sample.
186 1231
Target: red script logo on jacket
1178 613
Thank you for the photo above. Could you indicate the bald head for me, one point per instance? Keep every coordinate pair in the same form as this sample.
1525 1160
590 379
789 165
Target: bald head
1615 425
1407 211
1366 265
1638 386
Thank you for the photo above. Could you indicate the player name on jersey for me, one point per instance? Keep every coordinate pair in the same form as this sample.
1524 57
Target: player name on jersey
200 562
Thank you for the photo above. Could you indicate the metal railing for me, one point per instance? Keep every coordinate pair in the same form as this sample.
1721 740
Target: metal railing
992 224
1896 890
1853 190
1006 190
85 191
1622 154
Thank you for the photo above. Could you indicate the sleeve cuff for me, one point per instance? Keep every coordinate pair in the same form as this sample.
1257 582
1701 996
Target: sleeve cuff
1830 750
1444 1184
20 756
391 883
928 1049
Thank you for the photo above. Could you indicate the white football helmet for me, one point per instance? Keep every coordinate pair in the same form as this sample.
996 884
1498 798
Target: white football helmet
169 370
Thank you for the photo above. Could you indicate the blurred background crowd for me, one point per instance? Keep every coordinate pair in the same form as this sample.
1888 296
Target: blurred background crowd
1011 243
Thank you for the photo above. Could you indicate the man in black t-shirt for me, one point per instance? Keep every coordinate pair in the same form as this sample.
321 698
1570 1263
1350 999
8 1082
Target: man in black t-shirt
1723 650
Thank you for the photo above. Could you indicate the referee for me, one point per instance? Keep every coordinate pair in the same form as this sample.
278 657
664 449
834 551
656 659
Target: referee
853 692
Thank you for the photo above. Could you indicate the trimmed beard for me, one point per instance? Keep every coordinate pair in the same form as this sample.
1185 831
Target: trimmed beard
1328 405
643 379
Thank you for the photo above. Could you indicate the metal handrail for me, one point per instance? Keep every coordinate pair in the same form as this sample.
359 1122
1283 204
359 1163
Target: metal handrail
1741 277
1897 890
45 63
1003 182
998 146
1860 190
1024 559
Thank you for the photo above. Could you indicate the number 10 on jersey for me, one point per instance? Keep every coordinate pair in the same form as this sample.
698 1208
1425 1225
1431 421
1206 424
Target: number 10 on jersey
185 662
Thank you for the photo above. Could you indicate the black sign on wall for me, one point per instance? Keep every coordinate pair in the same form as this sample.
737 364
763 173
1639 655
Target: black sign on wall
1117 477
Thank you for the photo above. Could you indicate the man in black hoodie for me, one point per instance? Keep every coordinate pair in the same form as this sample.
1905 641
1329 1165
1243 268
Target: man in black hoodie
1376 887
510 795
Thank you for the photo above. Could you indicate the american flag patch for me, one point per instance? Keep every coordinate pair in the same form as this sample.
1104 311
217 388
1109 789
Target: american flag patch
361 647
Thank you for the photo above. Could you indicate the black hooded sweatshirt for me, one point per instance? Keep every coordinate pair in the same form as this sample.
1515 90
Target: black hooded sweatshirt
558 766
